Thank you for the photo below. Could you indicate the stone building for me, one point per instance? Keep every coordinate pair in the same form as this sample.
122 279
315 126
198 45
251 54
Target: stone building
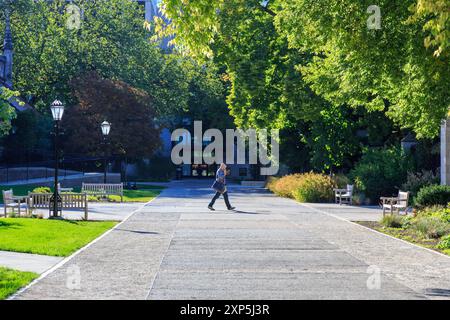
445 152
6 59
6 66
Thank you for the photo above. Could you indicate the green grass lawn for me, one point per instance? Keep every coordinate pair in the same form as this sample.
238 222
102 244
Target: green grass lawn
144 194
49 237
12 280
137 195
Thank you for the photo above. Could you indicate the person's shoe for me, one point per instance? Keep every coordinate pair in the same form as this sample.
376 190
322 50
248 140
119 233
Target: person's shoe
231 208
211 208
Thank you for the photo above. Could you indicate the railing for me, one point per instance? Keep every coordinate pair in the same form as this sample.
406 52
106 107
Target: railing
71 165
11 174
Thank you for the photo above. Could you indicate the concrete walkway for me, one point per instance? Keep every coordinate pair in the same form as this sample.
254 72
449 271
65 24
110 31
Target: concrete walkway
271 248
27 262
40 263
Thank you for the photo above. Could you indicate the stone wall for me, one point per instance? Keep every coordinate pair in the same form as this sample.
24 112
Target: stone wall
445 152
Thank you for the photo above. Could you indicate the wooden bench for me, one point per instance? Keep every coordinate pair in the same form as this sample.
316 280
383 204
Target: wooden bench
395 204
102 189
60 190
69 201
344 195
14 202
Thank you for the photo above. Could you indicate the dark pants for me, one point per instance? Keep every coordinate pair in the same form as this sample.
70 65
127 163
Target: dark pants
225 197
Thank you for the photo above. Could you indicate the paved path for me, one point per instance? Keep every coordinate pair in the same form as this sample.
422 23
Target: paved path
40 263
272 248
27 262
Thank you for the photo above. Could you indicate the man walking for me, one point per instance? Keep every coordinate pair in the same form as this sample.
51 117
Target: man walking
221 188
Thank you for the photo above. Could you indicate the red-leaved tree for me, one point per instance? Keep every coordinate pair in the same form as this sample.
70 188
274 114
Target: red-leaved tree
129 110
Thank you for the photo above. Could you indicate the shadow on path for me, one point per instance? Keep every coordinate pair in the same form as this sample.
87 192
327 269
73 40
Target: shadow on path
438 292
246 212
138 232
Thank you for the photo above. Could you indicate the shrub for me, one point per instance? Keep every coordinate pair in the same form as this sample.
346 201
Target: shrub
305 187
93 198
380 172
444 243
270 183
431 227
286 185
417 180
440 212
42 190
444 215
314 188
393 221
433 195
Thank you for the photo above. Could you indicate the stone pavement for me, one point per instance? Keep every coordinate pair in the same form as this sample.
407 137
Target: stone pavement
352 213
270 248
27 262
40 263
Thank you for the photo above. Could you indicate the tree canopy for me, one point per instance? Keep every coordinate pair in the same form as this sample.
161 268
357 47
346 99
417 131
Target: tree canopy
50 49
7 113
280 53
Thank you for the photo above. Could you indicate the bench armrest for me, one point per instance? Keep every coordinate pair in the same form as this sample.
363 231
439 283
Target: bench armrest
339 191
389 200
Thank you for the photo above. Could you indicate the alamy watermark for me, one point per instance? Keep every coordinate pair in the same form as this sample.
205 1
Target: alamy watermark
374 280
73 280
260 151
74 17
374 20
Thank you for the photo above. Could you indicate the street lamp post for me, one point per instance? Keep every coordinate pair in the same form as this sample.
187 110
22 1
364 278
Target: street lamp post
106 127
57 109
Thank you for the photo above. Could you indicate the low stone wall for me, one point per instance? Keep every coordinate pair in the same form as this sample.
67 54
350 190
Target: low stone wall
257 184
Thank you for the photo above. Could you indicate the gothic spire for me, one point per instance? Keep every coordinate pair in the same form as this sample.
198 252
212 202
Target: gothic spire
8 43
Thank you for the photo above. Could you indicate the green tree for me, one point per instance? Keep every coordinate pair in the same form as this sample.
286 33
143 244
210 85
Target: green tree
377 68
267 89
435 13
50 50
402 67
381 172
7 113
30 139
207 96
332 139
